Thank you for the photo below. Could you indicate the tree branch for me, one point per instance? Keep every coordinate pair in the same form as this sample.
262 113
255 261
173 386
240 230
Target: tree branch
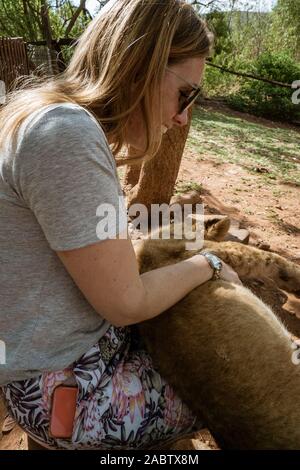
74 17
248 75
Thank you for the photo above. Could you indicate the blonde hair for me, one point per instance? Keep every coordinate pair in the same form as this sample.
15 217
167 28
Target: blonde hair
118 64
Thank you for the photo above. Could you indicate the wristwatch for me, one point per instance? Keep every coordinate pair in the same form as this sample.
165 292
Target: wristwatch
214 262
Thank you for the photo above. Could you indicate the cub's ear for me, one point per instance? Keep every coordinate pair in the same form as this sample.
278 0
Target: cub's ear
216 227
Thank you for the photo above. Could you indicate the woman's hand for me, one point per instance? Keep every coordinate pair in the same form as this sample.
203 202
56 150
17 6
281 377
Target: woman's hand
228 274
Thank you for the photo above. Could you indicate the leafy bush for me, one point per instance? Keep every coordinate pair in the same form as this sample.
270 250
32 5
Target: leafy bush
215 82
218 23
265 99
219 83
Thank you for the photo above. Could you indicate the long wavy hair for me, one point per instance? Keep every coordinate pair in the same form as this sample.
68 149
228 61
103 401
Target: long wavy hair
118 64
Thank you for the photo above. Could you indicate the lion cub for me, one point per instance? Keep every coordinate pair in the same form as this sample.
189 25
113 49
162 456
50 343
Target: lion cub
225 352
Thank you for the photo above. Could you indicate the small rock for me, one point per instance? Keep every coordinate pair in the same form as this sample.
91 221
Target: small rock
241 235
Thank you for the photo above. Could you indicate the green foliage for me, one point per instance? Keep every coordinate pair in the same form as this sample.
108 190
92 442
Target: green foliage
248 33
285 28
266 44
22 18
60 16
218 23
216 82
264 99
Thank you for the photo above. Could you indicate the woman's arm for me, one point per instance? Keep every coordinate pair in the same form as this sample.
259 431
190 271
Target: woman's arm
107 275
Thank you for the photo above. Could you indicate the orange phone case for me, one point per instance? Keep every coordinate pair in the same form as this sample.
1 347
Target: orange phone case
63 411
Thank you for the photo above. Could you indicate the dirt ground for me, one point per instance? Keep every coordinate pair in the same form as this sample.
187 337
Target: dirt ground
272 219
270 211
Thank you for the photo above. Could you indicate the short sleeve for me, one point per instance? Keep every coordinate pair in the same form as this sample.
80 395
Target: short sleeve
65 173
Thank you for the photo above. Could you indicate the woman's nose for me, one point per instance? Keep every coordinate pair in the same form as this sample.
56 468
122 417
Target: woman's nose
181 119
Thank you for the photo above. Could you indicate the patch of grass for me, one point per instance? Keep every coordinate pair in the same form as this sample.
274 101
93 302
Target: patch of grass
277 193
182 188
235 140
272 215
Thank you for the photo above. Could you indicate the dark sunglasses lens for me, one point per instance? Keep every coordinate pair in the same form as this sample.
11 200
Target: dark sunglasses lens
188 100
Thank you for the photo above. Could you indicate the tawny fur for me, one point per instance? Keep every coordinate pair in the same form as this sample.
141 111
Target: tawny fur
225 352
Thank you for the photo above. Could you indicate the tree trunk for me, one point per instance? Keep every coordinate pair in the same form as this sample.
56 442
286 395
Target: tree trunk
47 34
131 177
154 182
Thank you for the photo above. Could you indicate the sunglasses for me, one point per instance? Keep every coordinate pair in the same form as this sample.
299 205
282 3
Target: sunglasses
186 99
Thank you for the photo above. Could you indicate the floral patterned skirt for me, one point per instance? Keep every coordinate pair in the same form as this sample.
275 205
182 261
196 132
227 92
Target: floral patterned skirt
123 402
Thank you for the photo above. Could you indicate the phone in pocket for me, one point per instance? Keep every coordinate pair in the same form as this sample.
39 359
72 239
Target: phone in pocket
63 411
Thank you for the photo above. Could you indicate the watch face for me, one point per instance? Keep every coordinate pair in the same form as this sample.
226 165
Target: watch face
215 261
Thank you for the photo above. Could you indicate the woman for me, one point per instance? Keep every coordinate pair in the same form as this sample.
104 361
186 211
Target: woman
70 291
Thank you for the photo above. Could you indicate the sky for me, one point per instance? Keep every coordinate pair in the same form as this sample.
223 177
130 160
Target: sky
263 5
257 5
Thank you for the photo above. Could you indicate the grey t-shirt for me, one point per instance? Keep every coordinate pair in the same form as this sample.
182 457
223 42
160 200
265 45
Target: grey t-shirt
50 188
